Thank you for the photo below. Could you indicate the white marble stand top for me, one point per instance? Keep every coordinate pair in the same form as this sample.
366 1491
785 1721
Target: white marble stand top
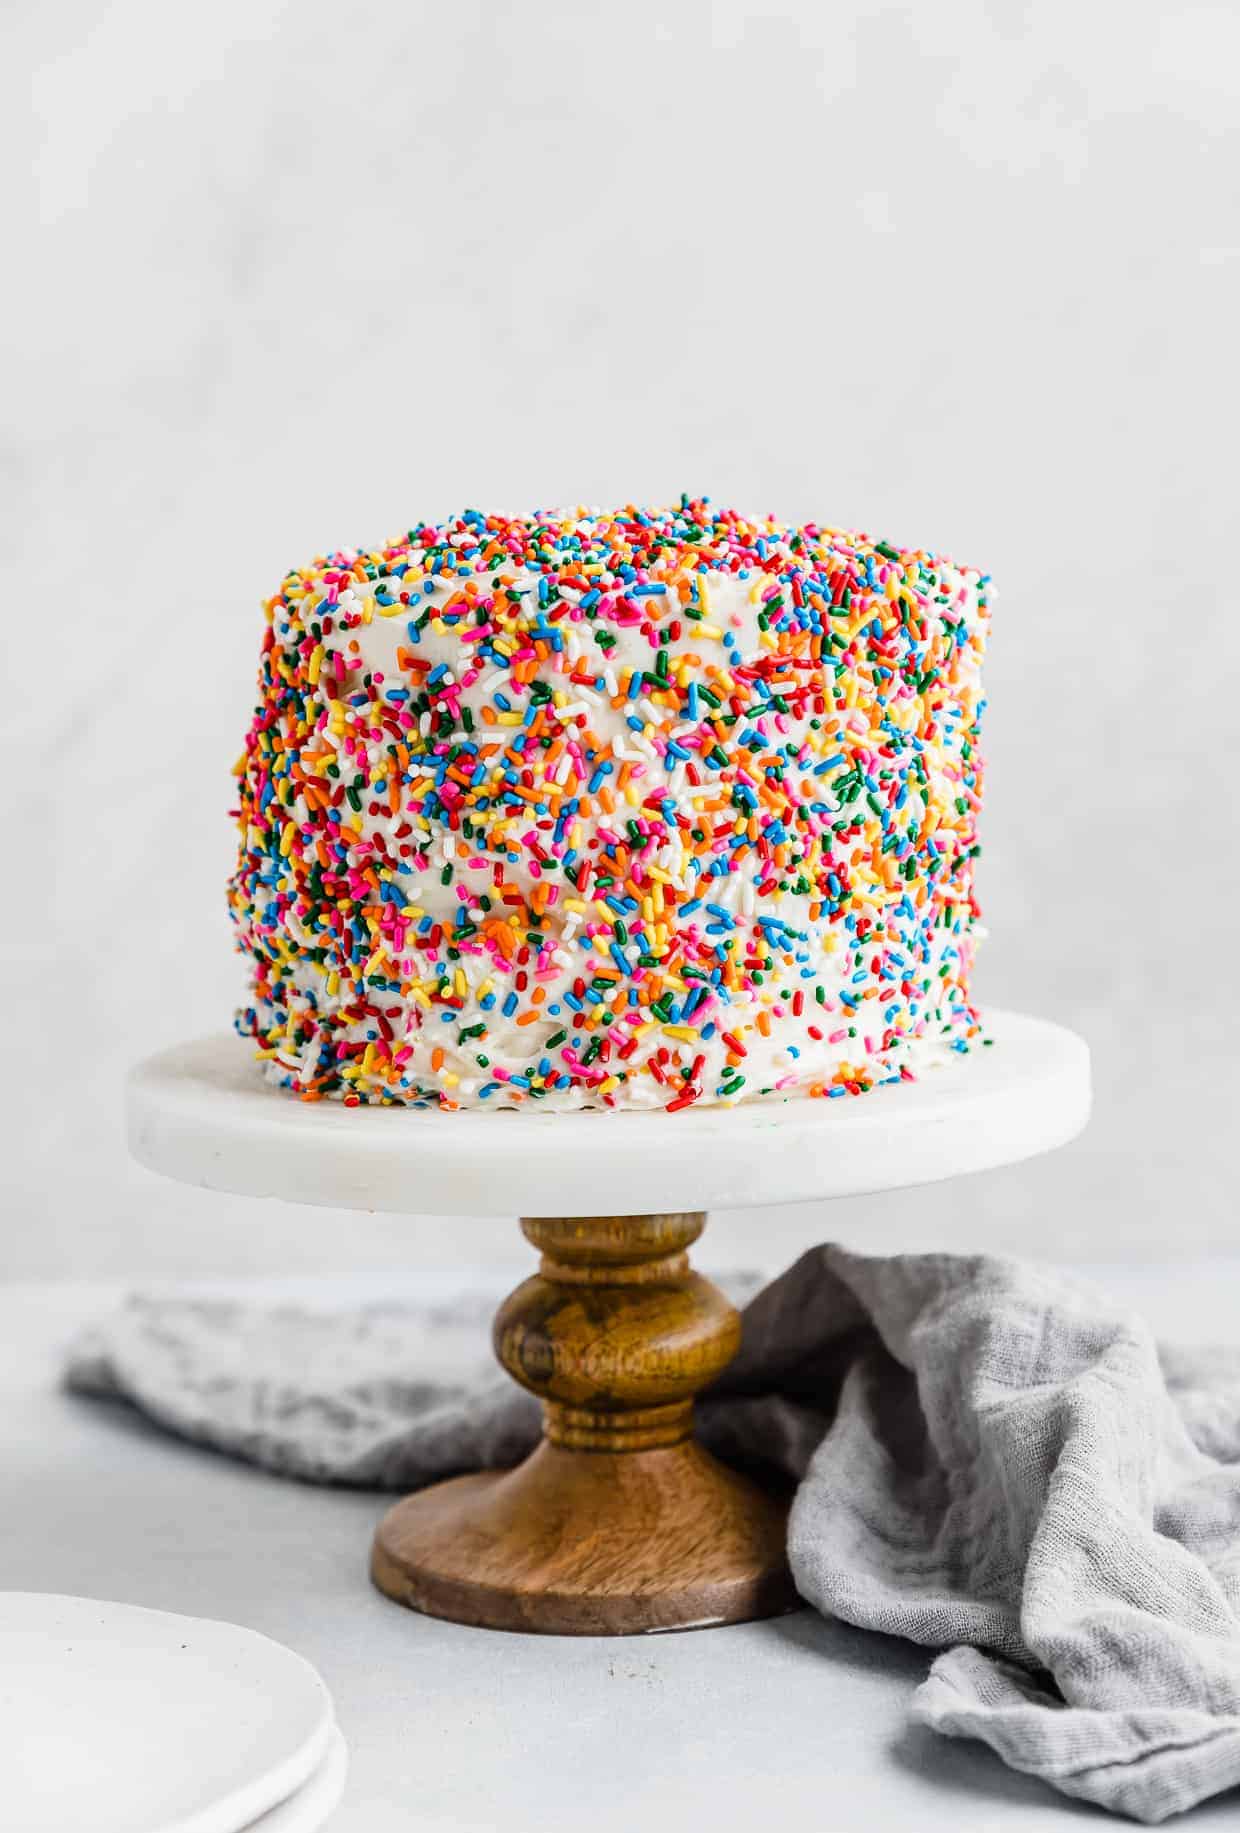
201 1113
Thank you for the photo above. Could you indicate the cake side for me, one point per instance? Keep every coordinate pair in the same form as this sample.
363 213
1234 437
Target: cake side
631 809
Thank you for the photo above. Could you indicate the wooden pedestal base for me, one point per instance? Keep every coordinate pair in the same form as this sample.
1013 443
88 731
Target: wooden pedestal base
619 1522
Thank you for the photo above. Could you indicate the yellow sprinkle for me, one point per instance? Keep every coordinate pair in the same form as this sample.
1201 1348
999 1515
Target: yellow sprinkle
681 1031
333 984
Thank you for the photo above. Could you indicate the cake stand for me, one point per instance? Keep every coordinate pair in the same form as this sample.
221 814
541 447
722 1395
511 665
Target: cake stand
619 1522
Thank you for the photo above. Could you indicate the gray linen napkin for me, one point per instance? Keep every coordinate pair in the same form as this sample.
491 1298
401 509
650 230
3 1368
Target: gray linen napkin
991 1462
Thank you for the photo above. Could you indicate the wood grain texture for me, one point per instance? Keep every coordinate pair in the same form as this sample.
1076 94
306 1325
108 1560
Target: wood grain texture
619 1522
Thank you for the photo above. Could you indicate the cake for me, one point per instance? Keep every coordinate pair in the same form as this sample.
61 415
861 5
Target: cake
629 809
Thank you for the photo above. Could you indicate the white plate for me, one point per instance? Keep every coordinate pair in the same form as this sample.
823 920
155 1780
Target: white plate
122 1720
308 1809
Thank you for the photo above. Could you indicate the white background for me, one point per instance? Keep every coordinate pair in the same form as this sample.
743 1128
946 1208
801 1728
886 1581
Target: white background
284 277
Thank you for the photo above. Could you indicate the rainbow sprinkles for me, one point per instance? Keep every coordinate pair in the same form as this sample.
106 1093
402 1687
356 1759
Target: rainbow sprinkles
622 809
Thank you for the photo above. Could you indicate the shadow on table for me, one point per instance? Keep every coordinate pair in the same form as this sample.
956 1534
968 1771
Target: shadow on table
959 1766
951 1766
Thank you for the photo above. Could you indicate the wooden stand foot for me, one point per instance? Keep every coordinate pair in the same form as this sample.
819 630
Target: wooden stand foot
619 1522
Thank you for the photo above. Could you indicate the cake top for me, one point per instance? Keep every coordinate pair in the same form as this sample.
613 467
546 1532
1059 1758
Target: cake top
623 565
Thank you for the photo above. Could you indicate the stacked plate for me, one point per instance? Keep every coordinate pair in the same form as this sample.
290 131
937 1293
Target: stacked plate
132 1721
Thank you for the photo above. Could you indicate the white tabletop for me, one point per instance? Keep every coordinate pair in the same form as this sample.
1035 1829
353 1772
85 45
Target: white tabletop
794 1723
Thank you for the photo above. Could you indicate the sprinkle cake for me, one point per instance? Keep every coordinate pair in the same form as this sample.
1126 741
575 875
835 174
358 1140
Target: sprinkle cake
629 809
